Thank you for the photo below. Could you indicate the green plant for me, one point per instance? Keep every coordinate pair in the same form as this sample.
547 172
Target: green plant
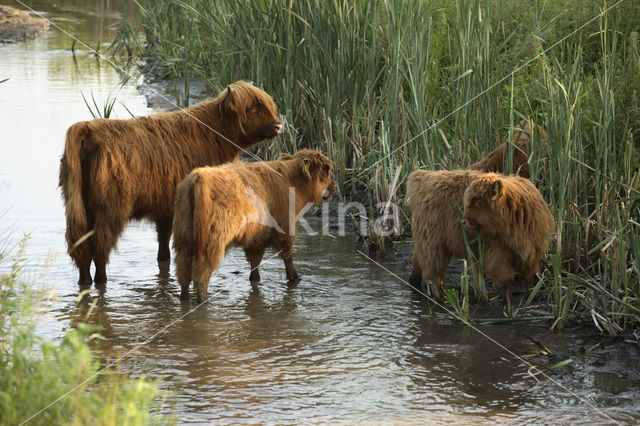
61 382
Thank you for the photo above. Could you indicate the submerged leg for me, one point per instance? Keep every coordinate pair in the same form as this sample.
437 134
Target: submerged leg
183 273
163 227
254 256
108 228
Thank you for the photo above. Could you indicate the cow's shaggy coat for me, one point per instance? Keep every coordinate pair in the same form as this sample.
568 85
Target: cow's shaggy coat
113 171
246 204
435 198
510 213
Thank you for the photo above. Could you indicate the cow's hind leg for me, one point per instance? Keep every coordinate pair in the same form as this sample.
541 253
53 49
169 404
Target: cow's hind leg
82 259
163 227
202 271
416 276
107 228
183 272
434 271
254 256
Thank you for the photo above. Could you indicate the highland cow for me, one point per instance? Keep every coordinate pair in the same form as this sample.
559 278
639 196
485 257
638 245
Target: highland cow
510 212
252 205
437 204
521 143
113 171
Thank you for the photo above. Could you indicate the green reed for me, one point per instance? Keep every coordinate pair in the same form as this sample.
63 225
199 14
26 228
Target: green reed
366 81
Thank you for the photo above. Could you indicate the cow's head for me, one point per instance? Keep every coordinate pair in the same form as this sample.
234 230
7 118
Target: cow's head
313 174
253 111
481 201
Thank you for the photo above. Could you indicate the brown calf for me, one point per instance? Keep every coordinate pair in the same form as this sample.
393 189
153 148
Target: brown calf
252 205
521 144
113 171
511 214
437 200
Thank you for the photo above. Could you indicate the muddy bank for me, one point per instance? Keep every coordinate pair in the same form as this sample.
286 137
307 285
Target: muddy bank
18 25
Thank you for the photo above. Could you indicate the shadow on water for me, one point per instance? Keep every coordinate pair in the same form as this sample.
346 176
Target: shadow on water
348 343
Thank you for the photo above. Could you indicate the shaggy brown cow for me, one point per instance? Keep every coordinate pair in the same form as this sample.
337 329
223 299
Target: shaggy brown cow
113 171
436 200
245 204
522 141
510 212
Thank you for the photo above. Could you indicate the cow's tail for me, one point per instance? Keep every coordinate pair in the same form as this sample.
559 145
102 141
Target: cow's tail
201 219
70 180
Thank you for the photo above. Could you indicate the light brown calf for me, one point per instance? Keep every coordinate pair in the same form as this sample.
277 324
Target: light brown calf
113 171
252 205
510 213
437 200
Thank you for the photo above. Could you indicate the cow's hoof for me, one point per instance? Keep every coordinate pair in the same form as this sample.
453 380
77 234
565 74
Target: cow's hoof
86 282
294 279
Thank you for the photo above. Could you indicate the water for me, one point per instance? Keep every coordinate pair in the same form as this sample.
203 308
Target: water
348 343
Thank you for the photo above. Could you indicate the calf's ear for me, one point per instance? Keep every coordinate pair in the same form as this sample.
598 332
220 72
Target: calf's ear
285 156
305 168
229 99
496 190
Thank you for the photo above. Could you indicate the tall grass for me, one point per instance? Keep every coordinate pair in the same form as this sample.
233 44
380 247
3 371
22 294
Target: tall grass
368 81
34 372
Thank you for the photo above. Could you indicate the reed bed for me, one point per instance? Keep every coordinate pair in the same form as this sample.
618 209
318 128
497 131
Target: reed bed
388 86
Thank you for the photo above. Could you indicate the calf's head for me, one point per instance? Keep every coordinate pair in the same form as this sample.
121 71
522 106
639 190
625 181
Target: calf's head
480 201
252 109
312 174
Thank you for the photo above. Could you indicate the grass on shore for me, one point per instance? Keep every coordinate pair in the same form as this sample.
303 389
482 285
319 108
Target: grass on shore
387 86
36 372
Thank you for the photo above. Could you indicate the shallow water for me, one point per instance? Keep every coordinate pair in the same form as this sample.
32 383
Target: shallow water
349 343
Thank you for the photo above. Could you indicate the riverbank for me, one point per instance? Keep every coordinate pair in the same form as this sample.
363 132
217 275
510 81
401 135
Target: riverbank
18 25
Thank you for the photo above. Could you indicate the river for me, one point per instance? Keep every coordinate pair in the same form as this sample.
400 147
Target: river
349 343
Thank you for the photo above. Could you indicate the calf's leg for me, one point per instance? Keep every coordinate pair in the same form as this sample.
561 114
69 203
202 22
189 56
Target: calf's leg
254 256
183 272
498 264
203 266
416 276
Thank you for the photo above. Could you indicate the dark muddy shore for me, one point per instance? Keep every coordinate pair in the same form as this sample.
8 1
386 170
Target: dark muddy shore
18 25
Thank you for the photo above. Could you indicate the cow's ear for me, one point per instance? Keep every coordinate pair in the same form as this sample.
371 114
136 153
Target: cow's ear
305 168
285 156
230 99
496 190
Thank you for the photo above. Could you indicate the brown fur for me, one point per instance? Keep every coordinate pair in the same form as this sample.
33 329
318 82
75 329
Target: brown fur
113 171
213 203
437 203
510 212
435 198
521 143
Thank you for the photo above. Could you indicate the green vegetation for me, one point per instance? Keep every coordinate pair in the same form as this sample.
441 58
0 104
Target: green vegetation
35 372
388 86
